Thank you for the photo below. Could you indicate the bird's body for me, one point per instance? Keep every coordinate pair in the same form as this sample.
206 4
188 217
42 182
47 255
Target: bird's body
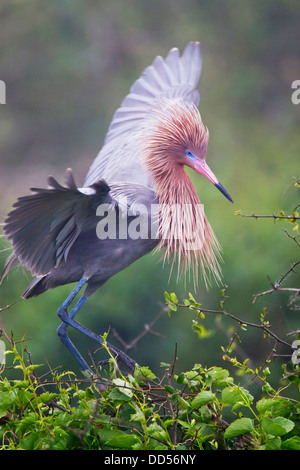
72 243
139 177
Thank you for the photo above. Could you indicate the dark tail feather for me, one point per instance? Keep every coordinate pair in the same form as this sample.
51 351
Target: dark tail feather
36 287
11 261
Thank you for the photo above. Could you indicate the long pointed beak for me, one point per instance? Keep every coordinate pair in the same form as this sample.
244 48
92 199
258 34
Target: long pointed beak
200 166
223 191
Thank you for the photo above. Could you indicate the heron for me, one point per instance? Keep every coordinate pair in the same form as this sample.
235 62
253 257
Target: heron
155 134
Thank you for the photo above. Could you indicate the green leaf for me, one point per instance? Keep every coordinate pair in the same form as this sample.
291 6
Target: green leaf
238 427
172 306
123 387
123 441
274 443
164 365
118 439
237 396
139 414
278 426
179 378
291 444
268 389
284 422
171 301
202 398
199 329
47 396
183 404
169 389
143 373
282 407
32 367
218 377
167 296
278 406
29 442
265 404
7 399
155 430
116 394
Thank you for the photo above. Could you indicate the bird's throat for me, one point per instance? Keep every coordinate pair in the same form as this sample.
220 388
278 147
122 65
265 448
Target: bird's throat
176 187
184 231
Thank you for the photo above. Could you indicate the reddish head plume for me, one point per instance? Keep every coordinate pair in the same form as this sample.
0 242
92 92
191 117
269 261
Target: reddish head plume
183 228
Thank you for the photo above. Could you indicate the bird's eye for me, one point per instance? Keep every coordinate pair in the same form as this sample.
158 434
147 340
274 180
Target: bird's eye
189 154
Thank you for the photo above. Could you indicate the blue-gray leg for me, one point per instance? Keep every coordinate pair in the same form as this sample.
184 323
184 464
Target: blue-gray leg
63 335
68 320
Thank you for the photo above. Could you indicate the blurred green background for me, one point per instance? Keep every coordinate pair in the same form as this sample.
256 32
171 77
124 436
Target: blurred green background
67 66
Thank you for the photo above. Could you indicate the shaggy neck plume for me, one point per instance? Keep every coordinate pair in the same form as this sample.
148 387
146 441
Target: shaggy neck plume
184 231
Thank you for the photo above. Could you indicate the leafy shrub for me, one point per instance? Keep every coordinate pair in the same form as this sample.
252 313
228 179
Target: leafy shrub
177 412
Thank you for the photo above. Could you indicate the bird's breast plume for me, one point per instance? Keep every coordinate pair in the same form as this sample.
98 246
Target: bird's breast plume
184 231
186 235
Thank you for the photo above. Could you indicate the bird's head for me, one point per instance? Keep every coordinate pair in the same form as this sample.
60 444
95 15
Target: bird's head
179 138
176 138
198 164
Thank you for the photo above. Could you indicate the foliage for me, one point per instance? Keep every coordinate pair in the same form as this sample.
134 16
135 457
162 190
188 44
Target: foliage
179 411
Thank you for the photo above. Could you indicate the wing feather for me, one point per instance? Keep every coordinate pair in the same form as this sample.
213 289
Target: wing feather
44 226
174 77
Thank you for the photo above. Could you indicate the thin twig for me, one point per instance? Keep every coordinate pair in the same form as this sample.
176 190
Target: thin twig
290 236
147 329
263 327
270 216
3 333
10 305
269 291
275 287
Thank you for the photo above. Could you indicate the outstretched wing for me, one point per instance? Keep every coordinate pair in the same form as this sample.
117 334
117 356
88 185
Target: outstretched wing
44 226
172 78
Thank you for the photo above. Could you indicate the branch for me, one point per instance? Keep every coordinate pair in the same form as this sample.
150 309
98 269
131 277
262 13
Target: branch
270 216
261 326
290 236
297 290
147 329
3 333
10 305
287 273
275 287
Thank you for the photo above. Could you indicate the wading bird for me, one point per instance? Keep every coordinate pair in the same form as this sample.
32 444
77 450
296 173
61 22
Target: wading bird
153 136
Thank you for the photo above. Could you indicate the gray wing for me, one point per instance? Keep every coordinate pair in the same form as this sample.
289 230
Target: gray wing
173 77
44 226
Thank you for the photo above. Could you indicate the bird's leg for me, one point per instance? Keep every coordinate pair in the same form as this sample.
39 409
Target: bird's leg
68 320
62 332
62 329
63 336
